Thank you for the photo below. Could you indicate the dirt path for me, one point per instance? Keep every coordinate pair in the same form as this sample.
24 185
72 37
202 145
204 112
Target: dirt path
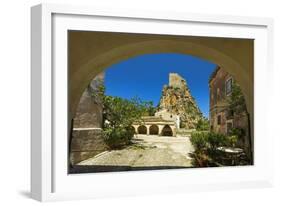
147 152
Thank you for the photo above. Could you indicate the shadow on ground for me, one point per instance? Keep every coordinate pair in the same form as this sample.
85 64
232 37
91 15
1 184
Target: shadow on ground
111 168
25 193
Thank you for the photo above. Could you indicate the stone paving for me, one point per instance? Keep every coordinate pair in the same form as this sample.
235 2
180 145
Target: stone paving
147 151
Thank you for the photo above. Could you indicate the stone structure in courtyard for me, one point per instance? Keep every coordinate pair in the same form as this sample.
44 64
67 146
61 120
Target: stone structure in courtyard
155 125
177 103
177 109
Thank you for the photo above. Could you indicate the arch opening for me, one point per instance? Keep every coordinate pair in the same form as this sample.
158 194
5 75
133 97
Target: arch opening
118 54
94 62
154 129
167 131
142 129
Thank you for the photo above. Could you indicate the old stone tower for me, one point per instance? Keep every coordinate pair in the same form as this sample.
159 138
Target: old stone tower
176 81
177 100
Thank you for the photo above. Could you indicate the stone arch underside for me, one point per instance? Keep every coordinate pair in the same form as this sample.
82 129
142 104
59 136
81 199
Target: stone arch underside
233 55
89 70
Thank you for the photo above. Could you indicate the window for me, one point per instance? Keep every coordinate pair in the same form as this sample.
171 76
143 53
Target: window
228 86
219 119
229 114
229 126
218 94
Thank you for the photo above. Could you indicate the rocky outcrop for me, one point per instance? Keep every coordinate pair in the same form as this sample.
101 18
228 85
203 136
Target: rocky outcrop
177 99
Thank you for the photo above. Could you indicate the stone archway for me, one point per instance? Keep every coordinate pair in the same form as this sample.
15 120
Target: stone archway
142 129
167 131
90 53
154 129
88 56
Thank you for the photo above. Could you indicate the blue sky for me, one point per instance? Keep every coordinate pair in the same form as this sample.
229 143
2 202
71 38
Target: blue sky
144 76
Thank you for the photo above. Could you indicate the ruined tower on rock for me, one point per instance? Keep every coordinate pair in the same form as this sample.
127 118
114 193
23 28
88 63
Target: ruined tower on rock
176 99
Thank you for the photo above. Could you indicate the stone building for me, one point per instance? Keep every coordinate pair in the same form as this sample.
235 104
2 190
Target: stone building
222 118
168 116
155 125
177 109
176 81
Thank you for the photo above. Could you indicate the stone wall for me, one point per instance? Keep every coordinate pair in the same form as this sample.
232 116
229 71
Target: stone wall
89 110
86 137
176 81
86 144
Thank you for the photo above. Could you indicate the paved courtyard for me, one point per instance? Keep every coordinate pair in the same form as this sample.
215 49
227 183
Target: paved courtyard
147 152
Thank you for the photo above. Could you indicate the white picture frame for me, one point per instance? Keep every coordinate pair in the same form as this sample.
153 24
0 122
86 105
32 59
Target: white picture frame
49 178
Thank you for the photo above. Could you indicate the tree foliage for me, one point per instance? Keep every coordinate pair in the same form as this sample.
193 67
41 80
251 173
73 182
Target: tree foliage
199 140
149 108
118 116
237 104
203 124
119 112
237 101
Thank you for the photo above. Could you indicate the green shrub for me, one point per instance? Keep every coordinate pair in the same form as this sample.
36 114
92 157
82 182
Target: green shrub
119 115
208 140
199 140
216 140
206 149
201 159
202 125
118 137
239 132
232 140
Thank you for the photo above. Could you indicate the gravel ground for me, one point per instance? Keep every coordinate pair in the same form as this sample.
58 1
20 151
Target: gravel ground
147 152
